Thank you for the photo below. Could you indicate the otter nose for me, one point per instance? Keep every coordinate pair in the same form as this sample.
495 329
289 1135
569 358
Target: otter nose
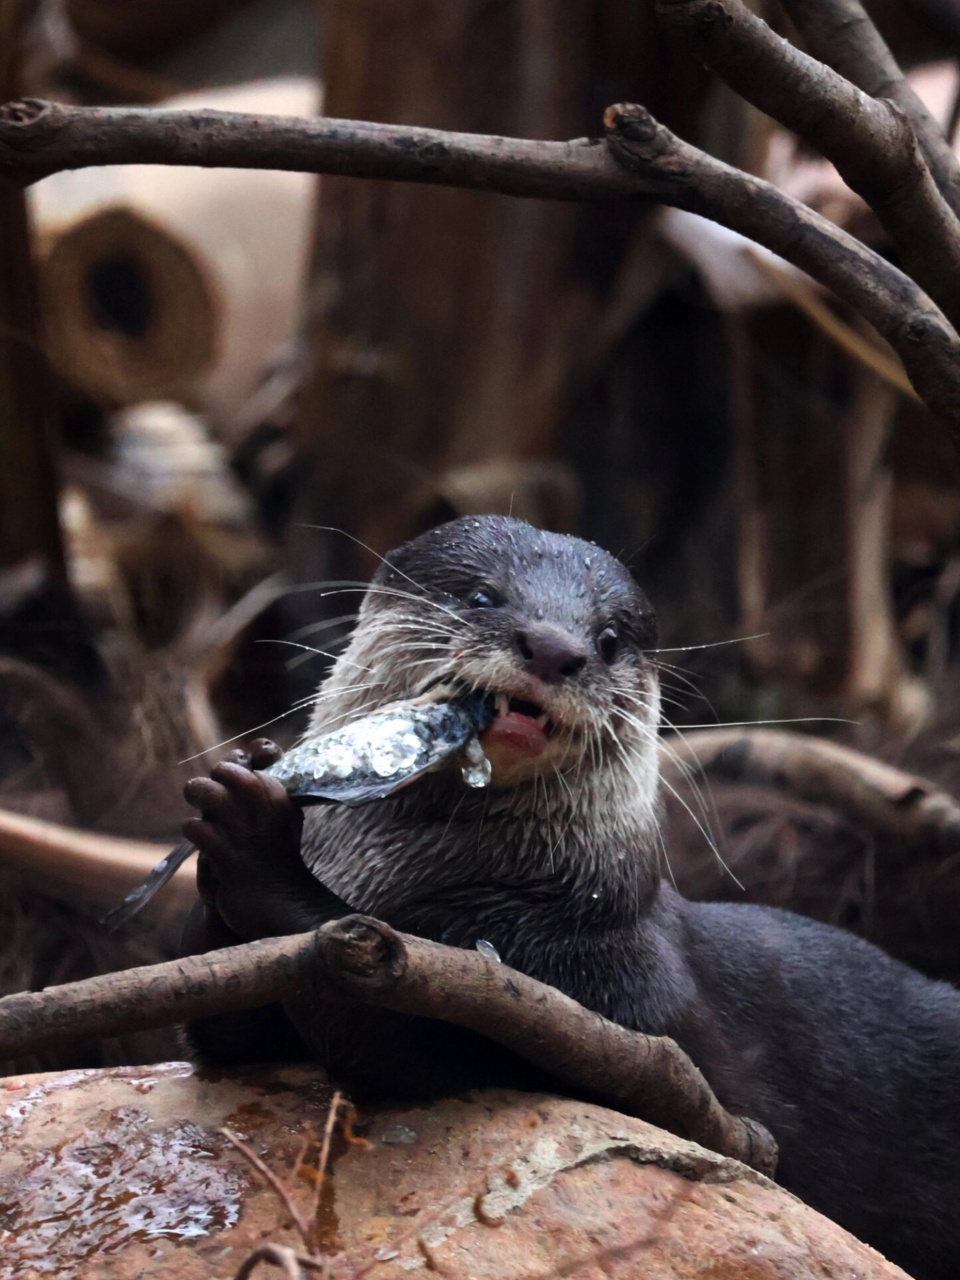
550 654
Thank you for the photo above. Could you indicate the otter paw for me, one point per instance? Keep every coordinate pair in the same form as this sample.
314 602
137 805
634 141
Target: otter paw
248 836
260 754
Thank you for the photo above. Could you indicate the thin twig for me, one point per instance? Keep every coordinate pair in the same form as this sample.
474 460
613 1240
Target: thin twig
301 1223
280 1255
321 1177
277 1255
807 299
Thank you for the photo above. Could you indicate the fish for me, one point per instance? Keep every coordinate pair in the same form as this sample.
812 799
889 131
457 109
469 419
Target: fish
368 759
375 756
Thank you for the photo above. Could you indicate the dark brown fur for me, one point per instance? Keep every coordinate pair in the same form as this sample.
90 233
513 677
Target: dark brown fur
850 1059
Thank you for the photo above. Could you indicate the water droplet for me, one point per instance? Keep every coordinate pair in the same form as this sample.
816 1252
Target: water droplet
477 770
594 895
488 949
398 1135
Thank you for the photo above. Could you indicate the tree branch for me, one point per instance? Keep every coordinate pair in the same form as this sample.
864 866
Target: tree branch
40 138
840 33
69 863
896 307
362 959
870 143
642 159
907 812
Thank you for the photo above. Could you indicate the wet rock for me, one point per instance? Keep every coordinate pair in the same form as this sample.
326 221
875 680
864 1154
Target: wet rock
124 1174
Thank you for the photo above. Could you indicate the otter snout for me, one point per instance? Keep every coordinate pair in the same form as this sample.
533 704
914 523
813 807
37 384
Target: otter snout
549 653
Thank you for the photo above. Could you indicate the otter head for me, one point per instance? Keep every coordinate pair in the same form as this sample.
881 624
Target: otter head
552 629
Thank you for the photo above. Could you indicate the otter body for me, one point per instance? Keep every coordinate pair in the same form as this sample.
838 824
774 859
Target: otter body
849 1058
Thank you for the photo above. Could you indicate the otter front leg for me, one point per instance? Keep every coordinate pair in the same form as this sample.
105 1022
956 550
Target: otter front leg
252 884
250 873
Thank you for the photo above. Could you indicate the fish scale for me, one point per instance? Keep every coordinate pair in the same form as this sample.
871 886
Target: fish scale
377 755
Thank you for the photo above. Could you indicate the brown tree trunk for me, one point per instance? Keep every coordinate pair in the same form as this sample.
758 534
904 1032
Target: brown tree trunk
449 325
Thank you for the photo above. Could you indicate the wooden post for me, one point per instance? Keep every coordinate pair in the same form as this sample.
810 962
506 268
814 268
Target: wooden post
29 524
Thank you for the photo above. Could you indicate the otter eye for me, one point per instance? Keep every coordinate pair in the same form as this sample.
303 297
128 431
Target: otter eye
484 598
608 644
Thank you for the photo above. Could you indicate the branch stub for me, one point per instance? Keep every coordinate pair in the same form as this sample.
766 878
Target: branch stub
364 952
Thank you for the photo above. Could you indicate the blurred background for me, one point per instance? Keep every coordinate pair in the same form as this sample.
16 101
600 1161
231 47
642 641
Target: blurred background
224 393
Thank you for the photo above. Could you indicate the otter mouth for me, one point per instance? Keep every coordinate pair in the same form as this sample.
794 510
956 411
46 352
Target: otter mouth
518 724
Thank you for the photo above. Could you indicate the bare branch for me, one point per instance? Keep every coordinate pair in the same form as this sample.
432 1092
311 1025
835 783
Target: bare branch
896 307
39 138
871 143
840 33
362 959
68 862
908 812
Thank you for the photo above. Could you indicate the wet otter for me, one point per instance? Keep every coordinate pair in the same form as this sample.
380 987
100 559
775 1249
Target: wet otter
849 1058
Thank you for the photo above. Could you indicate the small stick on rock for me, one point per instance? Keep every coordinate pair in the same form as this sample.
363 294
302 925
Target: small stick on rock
363 959
288 1260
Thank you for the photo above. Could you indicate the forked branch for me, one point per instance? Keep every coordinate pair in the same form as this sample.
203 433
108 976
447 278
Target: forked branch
841 34
897 307
362 959
870 142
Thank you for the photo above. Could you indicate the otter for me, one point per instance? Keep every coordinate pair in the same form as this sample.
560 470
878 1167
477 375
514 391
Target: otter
848 1057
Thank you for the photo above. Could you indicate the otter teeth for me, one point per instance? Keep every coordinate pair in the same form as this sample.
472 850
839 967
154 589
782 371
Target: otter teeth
501 702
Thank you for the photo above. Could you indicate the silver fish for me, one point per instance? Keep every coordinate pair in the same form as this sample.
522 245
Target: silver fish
386 750
366 760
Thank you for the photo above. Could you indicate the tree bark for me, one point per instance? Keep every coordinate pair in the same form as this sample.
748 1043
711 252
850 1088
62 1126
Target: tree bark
449 327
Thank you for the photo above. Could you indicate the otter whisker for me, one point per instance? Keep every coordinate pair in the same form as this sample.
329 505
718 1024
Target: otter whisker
311 628
714 644
379 589
326 691
655 738
360 543
322 653
631 768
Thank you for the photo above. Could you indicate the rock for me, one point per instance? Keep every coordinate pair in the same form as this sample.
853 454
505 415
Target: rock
123 1174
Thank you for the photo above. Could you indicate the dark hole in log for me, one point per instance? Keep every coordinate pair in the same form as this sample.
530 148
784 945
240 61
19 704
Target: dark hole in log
120 296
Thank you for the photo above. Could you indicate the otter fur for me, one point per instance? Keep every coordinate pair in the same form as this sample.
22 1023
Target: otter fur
848 1057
